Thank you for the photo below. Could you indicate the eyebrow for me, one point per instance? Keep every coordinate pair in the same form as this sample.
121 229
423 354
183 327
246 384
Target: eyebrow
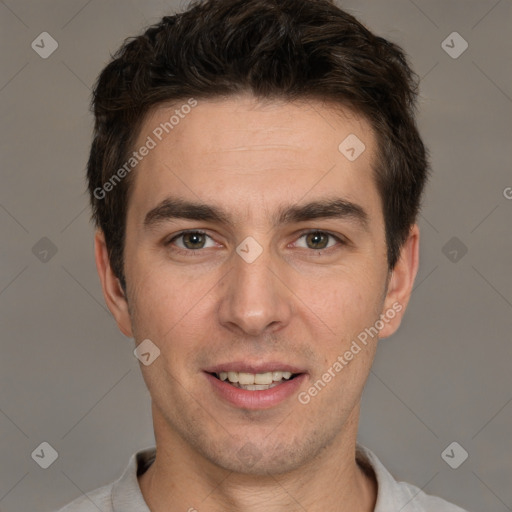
328 208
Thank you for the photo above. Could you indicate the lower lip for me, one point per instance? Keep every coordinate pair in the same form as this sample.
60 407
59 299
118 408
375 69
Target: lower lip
254 400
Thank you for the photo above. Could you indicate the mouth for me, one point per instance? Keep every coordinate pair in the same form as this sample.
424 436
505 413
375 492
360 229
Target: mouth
255 381
255 386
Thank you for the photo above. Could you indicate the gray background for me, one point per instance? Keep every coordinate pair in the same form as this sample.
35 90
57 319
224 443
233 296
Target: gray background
68 377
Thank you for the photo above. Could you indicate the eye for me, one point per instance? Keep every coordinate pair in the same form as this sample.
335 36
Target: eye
190 240
318 240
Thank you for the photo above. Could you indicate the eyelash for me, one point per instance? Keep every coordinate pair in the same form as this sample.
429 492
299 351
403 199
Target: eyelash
191 252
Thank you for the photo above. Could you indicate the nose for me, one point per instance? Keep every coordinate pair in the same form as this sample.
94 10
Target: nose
254 298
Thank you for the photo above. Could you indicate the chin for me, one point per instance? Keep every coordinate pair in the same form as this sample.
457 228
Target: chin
260 459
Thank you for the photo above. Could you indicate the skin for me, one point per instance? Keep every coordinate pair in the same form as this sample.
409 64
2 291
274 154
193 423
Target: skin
294 304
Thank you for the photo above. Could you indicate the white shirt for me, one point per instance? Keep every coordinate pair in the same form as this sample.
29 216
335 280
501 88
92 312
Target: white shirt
124 495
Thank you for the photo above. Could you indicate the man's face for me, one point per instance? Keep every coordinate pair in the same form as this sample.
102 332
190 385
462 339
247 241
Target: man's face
288 299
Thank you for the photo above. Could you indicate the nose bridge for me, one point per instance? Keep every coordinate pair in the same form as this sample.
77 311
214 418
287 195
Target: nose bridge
254 298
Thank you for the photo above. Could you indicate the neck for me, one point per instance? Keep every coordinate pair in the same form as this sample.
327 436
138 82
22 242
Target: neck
181 480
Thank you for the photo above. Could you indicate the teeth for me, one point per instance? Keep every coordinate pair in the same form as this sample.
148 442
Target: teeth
256 387
254 379
263 378
245 378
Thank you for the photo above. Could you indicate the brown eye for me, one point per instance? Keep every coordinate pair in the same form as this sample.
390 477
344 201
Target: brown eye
193 240
189 241
317 239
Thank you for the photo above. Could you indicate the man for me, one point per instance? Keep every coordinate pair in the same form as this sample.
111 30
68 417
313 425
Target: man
255 177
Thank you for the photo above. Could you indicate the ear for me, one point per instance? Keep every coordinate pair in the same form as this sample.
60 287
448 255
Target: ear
400 284
112 290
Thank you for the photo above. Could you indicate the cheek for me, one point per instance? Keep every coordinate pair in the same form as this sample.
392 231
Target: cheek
170 308
350 310
347 304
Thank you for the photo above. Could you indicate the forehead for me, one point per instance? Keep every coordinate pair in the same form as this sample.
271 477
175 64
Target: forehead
249 155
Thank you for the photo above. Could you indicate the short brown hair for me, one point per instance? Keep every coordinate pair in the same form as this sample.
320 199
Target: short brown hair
287 49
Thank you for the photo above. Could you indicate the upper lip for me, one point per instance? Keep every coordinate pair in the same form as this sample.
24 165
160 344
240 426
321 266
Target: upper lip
245 367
